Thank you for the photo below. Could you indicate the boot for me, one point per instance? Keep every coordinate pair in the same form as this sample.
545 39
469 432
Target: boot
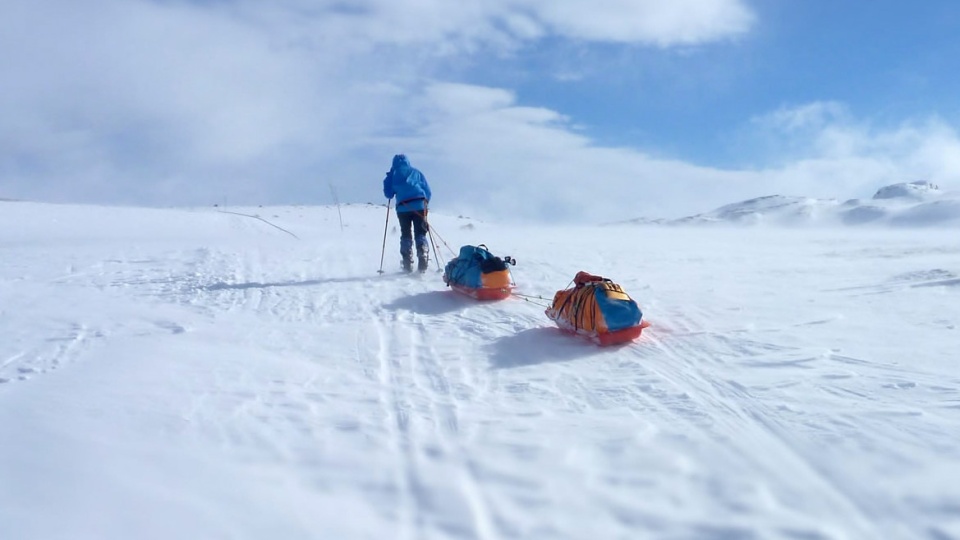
407 262
423 259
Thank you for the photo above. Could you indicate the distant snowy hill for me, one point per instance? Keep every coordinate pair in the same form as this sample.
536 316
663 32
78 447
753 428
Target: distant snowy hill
913 204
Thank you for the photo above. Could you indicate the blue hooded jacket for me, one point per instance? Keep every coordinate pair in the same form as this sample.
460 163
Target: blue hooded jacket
408 184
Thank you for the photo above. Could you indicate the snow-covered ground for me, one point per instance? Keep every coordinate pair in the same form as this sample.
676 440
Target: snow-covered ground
189 373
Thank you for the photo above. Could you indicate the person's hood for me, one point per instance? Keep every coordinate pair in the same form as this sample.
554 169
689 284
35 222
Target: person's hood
400 161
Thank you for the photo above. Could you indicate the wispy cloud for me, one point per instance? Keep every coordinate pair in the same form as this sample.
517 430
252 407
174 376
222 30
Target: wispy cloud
826 149
191 102
446 26
679 22
809 116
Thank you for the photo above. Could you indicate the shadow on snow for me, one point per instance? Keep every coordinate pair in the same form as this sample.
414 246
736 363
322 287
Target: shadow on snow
538 346
430 303
223 286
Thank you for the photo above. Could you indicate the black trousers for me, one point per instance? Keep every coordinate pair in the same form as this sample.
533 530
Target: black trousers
416 221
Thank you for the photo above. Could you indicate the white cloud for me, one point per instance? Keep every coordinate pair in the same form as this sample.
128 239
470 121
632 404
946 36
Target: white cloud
833 153
156 92
181 102
678 22
794 119
527 161
447 26
510 160
177 101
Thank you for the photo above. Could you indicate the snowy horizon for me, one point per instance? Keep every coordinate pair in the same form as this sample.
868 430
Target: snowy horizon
905 204
192 373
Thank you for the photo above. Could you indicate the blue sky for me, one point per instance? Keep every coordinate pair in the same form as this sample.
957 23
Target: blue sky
563 110
888 64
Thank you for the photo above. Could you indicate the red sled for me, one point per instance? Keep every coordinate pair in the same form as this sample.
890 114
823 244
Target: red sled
605 339
621 336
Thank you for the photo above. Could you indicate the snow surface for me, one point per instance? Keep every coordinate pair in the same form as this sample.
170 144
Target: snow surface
188 373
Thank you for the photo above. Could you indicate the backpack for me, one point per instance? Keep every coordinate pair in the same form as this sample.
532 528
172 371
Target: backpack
594 305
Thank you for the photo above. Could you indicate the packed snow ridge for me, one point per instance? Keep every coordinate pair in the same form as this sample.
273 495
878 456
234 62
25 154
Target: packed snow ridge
908 204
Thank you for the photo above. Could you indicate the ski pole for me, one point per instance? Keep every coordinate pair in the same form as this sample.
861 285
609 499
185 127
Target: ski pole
438 237
430 235
384 249
435 254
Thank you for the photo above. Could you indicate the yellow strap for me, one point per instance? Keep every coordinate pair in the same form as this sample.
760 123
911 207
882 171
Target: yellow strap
614 291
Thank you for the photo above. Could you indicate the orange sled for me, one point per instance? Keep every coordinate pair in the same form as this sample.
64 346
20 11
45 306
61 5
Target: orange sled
484 293
479 274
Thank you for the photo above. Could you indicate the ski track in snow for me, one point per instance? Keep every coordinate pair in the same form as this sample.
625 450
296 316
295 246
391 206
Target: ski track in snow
37 358
442 417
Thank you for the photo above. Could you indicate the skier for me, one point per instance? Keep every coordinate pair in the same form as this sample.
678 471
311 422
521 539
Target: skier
413 198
